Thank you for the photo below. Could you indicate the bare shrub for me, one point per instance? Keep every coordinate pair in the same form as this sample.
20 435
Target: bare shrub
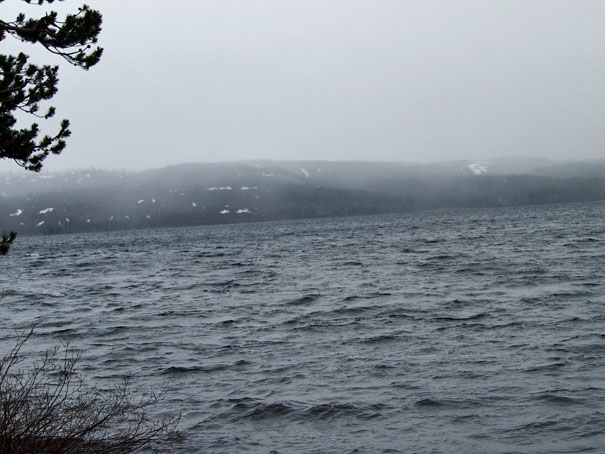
48 408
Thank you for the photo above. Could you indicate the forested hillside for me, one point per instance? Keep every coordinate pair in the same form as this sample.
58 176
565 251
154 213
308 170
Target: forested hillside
195 194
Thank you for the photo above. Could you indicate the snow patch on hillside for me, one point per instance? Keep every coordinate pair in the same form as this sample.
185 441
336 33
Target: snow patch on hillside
478 167
223 188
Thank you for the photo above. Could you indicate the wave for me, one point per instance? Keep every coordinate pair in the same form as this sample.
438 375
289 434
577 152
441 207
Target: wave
366 296
478 316
332 411
449 403
306 299
252 409
379 339
557 399
172 370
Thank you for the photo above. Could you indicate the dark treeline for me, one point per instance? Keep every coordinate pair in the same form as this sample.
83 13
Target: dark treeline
197 194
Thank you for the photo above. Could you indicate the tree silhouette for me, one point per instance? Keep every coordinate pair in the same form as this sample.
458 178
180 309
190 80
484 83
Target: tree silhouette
24 85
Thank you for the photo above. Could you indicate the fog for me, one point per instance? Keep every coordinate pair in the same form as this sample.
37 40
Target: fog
423 81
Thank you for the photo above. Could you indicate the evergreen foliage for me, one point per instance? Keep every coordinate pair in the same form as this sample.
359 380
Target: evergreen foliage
24 85
6 242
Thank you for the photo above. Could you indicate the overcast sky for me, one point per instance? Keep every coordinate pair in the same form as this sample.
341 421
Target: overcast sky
379 80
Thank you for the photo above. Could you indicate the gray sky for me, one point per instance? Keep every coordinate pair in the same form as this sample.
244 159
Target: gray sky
214 80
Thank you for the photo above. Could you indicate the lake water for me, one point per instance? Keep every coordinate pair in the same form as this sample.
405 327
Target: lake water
471 331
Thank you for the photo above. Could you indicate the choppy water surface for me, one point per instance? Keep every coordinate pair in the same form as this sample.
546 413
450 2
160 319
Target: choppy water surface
475 331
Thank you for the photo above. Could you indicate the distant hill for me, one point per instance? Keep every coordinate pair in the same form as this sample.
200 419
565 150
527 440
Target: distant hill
195 194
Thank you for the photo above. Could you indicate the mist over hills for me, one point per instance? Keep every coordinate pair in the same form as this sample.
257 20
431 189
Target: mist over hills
230 192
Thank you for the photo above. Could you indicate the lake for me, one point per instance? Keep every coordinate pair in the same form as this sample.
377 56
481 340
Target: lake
475 331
